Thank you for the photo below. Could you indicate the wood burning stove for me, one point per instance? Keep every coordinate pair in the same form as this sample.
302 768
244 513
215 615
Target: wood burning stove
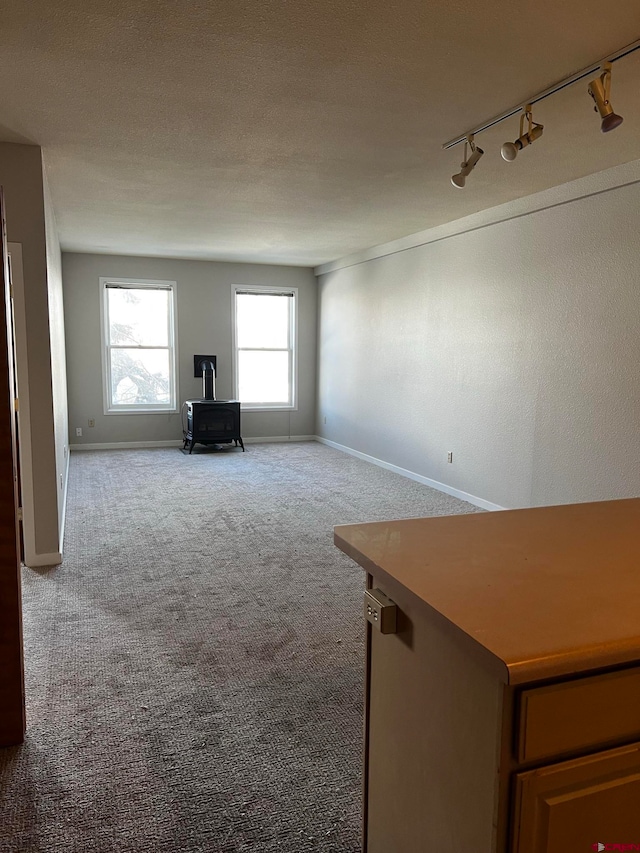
212 422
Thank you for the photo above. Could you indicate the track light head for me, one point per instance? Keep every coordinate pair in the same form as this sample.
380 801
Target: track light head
600 89
610 122
509 150
468 164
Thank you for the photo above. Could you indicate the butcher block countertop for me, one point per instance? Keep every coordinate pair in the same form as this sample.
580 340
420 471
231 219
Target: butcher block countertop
547 592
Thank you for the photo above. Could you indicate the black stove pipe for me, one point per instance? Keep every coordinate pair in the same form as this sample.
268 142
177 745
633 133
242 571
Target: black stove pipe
208 380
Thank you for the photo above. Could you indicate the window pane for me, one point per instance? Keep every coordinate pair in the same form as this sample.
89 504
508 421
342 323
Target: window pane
138 316
140 377
263 377
263 320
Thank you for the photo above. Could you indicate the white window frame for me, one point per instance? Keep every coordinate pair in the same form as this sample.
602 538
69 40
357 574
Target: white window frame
292 406
149 408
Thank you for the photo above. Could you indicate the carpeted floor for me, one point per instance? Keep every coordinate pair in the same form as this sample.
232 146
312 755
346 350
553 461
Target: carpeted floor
195 666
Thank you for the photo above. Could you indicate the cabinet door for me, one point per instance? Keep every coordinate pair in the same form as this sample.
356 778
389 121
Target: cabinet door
575 804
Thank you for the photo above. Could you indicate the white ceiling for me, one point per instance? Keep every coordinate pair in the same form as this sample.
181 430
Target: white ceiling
296 131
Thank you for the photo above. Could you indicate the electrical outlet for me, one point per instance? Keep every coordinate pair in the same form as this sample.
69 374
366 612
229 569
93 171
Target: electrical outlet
79 431
325 419
380 611
450 456
92 422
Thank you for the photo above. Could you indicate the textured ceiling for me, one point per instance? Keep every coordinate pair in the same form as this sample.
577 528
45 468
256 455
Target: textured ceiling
297 131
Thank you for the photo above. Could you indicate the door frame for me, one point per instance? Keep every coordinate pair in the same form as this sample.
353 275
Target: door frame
24 416
12 700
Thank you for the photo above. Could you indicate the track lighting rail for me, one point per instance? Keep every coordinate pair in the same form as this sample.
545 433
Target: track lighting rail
557 87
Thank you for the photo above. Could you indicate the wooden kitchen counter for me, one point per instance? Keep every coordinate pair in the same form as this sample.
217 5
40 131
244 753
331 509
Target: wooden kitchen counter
502 672
546 592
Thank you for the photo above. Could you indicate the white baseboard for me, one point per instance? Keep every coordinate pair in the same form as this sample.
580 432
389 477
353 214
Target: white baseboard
133 445
63 516
126 445
274 438
426 481
35 561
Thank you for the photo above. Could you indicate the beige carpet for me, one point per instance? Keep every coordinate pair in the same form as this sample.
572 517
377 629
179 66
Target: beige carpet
195 666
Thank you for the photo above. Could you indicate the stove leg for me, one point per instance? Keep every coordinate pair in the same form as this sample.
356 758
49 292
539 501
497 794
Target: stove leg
191 448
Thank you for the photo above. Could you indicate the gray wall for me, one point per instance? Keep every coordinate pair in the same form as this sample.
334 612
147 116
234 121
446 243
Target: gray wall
21 175
204 326
516 346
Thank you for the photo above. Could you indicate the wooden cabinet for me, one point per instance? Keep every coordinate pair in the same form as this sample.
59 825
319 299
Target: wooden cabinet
503 715
577 715
574 804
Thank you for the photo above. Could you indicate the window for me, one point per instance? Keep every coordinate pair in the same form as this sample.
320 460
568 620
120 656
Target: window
138 337
265 353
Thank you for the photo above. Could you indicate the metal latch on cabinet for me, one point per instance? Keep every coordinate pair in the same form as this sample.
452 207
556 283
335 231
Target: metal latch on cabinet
380 611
